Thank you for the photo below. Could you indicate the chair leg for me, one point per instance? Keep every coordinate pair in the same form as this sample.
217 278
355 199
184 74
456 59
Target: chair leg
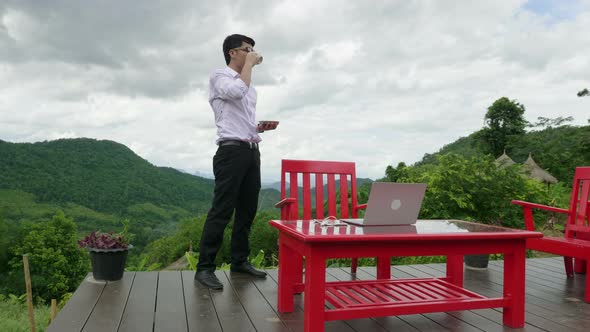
587 290
569 266
580 265
353 265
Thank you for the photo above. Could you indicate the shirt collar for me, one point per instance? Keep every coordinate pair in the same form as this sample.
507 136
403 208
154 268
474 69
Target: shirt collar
232 72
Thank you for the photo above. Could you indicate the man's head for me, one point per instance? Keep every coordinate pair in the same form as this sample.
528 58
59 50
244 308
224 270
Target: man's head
235 47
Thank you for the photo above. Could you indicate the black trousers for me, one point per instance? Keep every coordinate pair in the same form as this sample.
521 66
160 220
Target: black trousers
237 184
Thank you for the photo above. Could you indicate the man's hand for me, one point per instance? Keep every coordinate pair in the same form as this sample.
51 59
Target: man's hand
266 125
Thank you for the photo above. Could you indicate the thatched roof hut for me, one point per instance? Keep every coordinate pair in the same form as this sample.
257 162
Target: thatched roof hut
537 172
504 161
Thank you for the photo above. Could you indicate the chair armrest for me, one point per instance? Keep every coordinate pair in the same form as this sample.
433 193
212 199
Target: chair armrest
360 207
285 201
540 206
527 207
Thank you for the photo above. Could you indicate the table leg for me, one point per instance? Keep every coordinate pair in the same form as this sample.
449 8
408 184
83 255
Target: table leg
514 286
579 265
383 267
455 269
315 294
287 274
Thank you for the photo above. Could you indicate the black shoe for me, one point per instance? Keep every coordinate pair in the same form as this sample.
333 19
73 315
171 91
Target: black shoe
208 279
248 269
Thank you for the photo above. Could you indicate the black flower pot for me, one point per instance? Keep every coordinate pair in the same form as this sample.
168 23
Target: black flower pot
108 264
476 261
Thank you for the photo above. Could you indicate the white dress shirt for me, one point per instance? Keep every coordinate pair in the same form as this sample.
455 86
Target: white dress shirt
234 105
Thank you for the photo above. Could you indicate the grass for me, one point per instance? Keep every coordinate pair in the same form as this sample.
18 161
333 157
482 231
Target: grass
14 316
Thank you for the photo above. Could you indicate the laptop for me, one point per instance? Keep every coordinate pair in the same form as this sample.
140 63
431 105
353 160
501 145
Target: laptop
392 204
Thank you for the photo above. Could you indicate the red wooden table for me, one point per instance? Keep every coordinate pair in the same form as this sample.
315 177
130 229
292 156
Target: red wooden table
325 301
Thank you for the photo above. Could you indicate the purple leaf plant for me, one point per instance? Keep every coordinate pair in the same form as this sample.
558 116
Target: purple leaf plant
100 240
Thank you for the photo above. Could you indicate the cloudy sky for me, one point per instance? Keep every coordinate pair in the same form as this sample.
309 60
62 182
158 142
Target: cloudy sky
375 82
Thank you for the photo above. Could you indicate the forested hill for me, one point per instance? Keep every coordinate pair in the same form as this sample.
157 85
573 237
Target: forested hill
103 175
556 149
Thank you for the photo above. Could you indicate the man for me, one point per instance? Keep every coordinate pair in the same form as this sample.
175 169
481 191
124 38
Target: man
236 163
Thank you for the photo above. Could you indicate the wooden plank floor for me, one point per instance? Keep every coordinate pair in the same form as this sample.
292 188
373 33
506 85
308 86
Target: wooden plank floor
172 301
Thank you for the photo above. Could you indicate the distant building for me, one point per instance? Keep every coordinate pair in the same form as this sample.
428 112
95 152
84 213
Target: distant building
530 167
537 172
504 160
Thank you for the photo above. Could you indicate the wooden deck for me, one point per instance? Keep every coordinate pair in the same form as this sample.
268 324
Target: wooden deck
172 301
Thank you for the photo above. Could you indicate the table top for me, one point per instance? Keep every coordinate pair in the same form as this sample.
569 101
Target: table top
315 231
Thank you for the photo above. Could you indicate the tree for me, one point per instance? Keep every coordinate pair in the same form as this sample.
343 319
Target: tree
4 245
549 123
392 174
504 121
57 264
473 189
584 93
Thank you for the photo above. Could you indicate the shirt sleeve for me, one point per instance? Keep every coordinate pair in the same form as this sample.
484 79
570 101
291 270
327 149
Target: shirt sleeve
228 87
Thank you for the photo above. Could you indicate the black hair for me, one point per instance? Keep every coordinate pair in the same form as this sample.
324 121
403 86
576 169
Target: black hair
234 41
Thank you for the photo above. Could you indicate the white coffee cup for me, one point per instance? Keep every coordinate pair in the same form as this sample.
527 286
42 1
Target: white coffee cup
258 58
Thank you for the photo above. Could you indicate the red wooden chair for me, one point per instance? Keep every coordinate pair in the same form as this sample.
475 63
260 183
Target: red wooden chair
293 170
576 241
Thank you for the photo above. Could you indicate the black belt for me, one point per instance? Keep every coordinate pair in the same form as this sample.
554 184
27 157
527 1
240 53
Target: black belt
248 145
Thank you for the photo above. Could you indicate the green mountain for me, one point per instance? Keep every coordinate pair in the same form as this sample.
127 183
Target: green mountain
558 150
102 175
105 178
267 198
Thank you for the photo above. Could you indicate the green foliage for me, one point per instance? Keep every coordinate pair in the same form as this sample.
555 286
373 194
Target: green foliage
258 261
558 150
107 177
98 183
371 261
141 263
17 205
192 259
7 235
393 174
549 123
504 121
14 315
102 175
162 251
473 189
263 237
267 198
583 93
56 263
558 195
169 248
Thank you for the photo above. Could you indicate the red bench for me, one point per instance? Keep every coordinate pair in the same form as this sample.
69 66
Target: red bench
576 241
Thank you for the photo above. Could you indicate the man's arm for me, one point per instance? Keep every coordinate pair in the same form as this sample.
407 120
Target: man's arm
229 88
246 74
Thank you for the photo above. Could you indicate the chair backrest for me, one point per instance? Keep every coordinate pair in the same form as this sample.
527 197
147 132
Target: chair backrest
578 222
299 173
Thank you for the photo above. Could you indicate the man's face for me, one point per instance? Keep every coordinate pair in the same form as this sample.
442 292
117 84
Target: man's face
238 55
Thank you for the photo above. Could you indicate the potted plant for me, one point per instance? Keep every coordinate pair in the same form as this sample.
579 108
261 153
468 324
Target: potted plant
108 253
476 262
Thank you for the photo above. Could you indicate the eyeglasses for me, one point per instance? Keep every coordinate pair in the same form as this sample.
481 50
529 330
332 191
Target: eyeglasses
247 49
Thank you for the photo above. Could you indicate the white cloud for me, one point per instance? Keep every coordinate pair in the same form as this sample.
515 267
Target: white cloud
375 83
